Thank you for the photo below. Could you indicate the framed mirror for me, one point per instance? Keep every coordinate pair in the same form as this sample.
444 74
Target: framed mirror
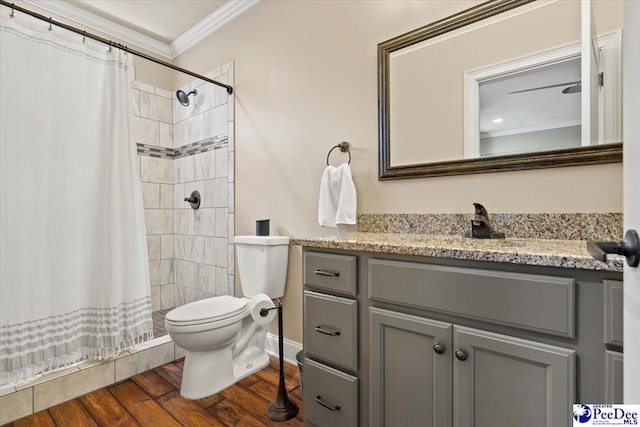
501 86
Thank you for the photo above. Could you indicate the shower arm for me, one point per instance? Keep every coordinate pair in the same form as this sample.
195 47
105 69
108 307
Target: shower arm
113 44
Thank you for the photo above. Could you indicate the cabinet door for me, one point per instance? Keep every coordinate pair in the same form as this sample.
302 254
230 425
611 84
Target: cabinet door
613 377
410 383
613 312
501 380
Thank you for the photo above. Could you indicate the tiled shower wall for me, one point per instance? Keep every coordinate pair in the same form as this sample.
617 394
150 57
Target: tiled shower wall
153 127
183 149
203 244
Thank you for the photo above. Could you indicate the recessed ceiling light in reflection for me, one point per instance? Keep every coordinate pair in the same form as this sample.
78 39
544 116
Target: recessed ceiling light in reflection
497 120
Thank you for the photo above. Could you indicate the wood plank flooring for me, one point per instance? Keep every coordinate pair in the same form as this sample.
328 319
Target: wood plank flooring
152 398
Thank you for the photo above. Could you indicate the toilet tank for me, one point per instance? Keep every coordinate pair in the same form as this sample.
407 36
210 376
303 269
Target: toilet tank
262 264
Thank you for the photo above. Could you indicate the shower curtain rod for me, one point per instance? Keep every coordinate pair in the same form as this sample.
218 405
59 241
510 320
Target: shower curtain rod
112 44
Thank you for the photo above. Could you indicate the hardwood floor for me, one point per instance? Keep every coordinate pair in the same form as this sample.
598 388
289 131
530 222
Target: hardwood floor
152 398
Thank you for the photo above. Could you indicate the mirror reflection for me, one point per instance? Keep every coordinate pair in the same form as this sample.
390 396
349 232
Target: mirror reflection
528 111
508 85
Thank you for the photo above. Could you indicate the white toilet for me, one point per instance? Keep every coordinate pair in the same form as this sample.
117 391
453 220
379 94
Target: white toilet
224 337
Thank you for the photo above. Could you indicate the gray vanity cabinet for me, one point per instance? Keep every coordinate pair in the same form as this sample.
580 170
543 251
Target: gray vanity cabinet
331 387
330 321
613 339
425 371
400 340
410 366
614 370
330 396
509 381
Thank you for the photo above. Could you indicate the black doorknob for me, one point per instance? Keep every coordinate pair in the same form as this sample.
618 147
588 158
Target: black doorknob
629 247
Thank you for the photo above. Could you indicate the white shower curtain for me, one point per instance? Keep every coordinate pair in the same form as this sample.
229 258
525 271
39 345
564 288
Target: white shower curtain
74 273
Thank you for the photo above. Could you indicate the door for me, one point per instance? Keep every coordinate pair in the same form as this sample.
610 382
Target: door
631 138
590 76
410 372
507 381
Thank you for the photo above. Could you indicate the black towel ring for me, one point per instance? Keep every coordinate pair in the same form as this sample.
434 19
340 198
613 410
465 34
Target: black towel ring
344 147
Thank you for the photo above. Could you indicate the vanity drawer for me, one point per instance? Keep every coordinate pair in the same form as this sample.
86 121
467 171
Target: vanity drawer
613 314
330 396
330 329
329 271
528 301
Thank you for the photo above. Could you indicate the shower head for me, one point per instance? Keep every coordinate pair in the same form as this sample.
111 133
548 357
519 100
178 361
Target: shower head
183 97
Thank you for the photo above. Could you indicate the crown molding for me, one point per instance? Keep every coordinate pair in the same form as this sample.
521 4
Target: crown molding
106 26
209 24
199 31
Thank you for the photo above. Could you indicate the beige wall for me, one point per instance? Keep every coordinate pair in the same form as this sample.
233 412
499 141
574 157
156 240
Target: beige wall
306 80
145 71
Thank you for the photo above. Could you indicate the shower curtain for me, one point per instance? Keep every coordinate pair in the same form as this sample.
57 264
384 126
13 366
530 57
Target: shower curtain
74 273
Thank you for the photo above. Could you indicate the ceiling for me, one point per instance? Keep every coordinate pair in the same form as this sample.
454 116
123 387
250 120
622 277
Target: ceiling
161 20
166 27
503 112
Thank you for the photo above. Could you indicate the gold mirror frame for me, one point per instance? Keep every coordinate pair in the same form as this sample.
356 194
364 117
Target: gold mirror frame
606 153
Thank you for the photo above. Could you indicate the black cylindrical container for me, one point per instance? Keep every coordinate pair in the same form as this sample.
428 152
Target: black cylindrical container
262 227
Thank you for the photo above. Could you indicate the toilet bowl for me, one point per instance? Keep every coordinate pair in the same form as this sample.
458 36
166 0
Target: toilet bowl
210 331
224 337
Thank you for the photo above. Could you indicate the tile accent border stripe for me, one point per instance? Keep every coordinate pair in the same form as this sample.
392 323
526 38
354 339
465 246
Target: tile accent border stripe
155 151
562 226
185 150
201 146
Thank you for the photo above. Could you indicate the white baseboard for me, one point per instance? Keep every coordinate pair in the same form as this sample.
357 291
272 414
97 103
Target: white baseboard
290 348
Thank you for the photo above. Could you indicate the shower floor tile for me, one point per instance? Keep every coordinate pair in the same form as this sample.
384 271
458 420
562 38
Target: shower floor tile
152 398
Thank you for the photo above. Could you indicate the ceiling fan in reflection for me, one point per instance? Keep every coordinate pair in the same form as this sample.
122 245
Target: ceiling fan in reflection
574 87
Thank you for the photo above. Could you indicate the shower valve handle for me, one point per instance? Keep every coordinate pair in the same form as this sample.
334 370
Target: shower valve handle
194 199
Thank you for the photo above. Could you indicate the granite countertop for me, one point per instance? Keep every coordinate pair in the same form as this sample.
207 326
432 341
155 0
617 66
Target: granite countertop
542 252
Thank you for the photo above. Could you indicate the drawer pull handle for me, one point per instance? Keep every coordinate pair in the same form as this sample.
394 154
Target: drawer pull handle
327 273
438 348
326 405
327 330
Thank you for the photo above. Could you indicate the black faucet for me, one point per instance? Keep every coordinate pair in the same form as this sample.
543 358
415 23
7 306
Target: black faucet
480 226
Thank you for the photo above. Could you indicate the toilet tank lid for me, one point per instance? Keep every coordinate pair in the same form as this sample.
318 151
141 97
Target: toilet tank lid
262 240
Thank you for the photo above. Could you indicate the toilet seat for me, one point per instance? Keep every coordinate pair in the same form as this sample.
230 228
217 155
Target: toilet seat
223 309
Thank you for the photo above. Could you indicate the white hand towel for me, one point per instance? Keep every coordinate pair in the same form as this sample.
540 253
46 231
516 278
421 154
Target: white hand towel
337 204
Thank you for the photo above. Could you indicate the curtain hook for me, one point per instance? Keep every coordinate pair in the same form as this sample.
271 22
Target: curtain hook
84 37
50 27
13 12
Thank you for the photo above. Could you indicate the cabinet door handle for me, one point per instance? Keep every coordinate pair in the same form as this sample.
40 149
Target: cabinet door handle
461 355
326 405
438 348
327 273
327 330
